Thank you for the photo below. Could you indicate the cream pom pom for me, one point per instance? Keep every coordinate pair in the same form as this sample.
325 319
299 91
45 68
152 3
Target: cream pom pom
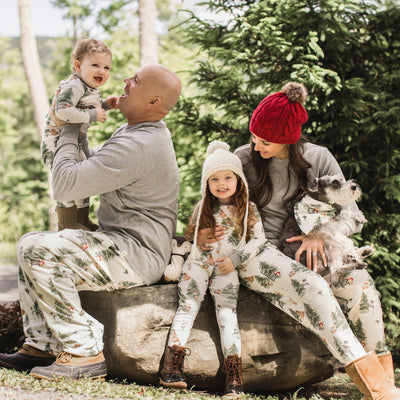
215 145
296 92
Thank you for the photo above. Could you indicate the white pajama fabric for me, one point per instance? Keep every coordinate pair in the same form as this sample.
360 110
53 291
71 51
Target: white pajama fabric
308 298
224 290
74 102
360 301
200 272
53 267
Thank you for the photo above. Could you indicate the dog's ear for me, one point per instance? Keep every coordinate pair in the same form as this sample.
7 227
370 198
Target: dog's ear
336 184
314 185
352 182
354 185
336 181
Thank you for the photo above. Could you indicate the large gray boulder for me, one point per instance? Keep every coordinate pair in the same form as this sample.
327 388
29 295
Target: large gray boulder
277 352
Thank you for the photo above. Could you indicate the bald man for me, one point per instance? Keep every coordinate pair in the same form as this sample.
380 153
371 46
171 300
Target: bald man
136 175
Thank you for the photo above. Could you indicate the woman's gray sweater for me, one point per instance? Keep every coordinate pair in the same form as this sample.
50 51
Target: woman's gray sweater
274 214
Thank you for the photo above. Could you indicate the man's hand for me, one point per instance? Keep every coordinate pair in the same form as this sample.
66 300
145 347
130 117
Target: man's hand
312 246
225 265
205 237
101 115
112 102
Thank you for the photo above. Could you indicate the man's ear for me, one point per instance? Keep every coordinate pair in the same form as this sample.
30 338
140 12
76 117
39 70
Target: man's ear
154 101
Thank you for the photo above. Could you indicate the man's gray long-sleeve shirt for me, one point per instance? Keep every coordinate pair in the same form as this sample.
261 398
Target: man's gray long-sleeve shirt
136 175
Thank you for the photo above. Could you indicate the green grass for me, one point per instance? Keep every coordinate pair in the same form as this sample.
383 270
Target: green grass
338 387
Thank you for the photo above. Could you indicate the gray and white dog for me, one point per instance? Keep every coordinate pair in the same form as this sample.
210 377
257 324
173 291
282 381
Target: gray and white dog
317 217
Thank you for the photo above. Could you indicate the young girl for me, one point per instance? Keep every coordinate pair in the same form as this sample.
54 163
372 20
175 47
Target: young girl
78 101
225 202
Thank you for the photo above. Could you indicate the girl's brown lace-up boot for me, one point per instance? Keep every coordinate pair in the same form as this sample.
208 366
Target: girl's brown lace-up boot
233 377
171 373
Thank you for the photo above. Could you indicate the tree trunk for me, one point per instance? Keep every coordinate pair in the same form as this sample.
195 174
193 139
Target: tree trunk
33 73
34 77
148 32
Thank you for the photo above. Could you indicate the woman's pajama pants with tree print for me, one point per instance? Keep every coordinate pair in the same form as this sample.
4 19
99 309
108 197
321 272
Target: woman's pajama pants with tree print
308 298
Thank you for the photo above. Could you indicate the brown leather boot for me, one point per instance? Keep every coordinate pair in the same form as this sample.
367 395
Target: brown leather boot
387 363
233 376
68 218
171 373
26 358
371 379
83 219
72 366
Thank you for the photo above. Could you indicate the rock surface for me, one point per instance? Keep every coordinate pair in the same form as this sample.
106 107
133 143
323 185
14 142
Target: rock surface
277 352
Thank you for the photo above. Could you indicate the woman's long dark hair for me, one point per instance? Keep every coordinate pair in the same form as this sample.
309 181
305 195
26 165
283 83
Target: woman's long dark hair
261 190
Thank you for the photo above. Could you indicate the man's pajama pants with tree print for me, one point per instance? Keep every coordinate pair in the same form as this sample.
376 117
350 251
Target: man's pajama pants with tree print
53 267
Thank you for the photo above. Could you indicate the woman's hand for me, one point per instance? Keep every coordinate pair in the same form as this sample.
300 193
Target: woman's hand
225 265
312 246
205 237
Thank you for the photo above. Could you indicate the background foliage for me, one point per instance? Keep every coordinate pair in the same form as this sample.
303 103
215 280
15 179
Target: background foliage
345 52
347 55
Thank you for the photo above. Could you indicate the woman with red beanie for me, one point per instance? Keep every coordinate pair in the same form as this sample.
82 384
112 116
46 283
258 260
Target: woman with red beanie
278 164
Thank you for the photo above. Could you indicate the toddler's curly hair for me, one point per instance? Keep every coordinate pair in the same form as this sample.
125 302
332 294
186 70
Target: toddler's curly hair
88 46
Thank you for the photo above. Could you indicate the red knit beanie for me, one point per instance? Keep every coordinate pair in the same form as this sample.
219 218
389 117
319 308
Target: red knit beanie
278 118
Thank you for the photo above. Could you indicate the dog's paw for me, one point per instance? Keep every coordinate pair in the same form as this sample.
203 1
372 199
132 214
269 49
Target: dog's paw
361 264
366 251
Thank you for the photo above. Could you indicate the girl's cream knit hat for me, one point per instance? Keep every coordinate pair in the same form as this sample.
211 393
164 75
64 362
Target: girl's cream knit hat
220 158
